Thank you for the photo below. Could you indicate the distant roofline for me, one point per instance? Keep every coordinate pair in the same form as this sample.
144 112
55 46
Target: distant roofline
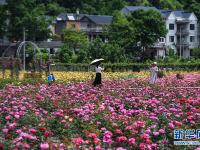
83 14
162 11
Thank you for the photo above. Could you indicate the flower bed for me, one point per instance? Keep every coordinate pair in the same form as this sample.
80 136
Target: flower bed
122 114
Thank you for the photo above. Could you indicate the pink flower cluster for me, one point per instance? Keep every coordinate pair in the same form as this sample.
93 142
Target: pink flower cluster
122 114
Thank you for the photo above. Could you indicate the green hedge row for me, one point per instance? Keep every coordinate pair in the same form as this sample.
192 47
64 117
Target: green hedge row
126 67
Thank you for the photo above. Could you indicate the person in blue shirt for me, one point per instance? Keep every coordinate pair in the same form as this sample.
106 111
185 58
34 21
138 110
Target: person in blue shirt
53 78
50 79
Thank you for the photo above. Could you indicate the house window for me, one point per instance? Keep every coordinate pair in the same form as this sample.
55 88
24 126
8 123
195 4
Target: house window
162 40
171 26
171 38
89 25
192 26
191 53
192 38
73 25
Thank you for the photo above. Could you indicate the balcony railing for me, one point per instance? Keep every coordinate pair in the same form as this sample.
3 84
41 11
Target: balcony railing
185 44
159 44
183 32
92 29
182 20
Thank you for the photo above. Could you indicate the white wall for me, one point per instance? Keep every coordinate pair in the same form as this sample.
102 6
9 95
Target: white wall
171 20
193 20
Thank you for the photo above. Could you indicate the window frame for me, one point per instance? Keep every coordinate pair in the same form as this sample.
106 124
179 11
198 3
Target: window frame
170 39
171 26
192 25
192 39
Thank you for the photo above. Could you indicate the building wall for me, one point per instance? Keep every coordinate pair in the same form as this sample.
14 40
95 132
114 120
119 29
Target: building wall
184 38
193 20
171 20
73 24
60 25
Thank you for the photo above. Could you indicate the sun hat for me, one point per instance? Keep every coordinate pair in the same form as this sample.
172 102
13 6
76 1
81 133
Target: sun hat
155 63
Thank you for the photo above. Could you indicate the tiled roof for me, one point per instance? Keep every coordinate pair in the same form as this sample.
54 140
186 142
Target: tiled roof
98 19
128 9
164 13
51 44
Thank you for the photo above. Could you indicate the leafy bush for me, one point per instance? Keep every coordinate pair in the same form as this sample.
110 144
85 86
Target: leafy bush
4 82
161 74
186 66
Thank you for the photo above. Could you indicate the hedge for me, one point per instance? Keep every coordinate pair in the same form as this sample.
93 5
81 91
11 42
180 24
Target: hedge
126 67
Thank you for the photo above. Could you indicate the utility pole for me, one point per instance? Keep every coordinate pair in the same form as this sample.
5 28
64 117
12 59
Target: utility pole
24 49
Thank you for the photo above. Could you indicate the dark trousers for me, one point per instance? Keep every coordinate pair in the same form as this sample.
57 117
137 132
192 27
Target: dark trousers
97 80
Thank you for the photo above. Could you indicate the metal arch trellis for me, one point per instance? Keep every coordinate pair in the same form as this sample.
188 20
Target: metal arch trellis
20 47
29 42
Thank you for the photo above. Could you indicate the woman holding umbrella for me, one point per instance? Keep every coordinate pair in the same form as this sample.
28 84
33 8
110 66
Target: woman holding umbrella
98 70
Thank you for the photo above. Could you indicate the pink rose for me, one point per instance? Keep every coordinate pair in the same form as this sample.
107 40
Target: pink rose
171 125
5 131
131 141
44 146
162 131
118 131
155 133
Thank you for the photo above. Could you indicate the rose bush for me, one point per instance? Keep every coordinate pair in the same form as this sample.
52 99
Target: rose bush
122 114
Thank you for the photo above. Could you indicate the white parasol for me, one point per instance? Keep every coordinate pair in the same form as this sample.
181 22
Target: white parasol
96 61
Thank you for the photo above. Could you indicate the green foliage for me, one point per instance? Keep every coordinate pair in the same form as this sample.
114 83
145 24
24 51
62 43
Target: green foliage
149 26
75 39
186 66
143 27
53 9
96 49
82 55
196 52
4 82
3 17
120 32
111 52
29 119
29 15
65 54
170 4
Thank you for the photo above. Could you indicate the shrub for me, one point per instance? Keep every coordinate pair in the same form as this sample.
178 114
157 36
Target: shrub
161 74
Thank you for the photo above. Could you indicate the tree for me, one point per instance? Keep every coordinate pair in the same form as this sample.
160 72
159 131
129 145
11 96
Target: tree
3 19
149 27
110 52
120 31
65 54
194 7
113 53
30 15
53 9
75 39
167 4
196 52
95 49
136 31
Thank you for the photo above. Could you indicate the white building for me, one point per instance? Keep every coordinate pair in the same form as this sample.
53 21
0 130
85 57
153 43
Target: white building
182 35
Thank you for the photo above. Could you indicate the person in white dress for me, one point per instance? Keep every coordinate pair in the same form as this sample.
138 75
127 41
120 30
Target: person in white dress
153 73
98 70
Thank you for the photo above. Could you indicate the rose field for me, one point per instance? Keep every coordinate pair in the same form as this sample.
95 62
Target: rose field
123 113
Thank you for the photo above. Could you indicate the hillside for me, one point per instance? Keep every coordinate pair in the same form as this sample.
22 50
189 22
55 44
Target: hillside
107 7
